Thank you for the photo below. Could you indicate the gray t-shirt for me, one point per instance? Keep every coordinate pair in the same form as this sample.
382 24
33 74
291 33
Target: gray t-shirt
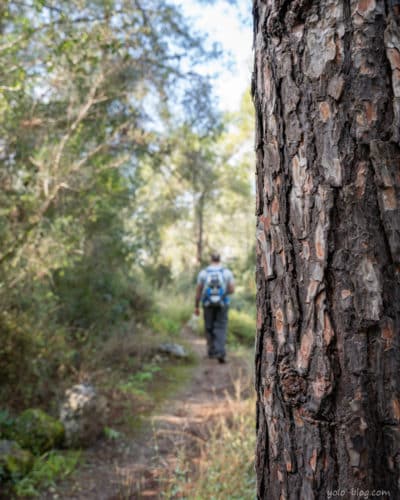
226 273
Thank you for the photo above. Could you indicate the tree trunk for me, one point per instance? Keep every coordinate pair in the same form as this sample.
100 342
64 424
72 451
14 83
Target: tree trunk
326 90
200 228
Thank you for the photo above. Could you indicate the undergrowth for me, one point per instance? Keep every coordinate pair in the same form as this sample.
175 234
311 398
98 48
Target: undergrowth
225 465
47 469
241 327
170 313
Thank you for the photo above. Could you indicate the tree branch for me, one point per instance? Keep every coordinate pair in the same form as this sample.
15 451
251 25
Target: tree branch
81 115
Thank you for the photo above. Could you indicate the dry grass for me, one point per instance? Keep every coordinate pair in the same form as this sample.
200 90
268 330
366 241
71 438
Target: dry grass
126 345
222 465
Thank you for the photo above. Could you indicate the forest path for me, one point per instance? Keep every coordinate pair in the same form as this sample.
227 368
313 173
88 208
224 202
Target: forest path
140 468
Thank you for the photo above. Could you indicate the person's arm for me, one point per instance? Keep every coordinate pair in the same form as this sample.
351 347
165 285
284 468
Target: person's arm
199 289
230 287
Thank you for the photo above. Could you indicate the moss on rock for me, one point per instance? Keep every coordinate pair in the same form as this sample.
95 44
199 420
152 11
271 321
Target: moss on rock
37 431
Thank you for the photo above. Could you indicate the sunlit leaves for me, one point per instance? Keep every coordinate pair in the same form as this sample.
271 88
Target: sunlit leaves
85 83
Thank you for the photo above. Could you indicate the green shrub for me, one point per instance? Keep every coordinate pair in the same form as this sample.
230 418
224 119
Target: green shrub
137 383
16 348
171 312
37 431
14 461
100 298
162 324
112 434
30 354
6 424
46 470
241 327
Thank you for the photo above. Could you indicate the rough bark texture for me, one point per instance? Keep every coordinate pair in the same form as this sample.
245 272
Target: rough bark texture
326 90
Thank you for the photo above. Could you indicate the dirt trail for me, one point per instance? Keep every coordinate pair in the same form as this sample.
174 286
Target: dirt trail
132 470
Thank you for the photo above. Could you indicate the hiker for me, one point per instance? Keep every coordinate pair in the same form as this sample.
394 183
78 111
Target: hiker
214 285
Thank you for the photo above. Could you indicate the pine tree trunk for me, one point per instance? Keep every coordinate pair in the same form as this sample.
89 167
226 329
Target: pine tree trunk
326 89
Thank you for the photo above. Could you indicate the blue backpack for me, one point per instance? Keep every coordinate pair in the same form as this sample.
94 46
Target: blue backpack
214 294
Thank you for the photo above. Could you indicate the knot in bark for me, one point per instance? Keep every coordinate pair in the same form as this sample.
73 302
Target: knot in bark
293 386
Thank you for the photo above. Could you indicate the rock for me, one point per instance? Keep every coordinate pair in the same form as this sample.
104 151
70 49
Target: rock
174 350
14 461
83 414
37 431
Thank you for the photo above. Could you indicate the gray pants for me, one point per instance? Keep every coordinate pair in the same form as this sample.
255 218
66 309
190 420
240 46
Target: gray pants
216 322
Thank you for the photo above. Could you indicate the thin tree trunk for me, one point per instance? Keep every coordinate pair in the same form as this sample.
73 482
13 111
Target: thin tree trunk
200 229
326 90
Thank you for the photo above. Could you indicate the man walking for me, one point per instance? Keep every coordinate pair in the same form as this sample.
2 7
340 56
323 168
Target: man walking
214 285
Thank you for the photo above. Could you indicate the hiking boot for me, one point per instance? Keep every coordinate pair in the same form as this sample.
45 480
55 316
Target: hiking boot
221 359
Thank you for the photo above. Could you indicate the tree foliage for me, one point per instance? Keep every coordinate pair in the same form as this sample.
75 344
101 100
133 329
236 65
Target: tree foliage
109 142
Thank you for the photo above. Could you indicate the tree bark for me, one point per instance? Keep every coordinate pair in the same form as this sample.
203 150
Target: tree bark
326 88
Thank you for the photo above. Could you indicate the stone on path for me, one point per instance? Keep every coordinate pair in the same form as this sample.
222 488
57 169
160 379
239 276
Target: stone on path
174 350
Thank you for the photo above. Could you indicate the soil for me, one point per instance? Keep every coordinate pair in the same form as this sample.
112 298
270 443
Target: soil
139 468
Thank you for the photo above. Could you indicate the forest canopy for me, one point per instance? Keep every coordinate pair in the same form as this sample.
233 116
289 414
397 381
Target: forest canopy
118 175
